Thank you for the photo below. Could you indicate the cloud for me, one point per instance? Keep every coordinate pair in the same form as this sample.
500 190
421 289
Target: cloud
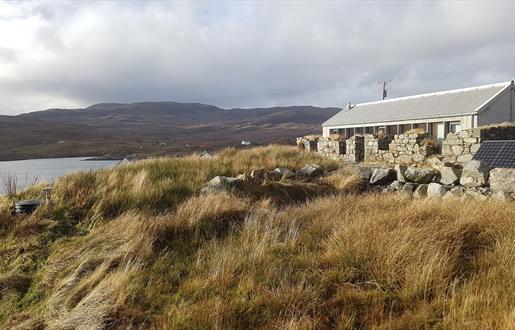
69 54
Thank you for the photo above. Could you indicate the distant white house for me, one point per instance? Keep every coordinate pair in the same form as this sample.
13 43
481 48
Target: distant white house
437 113
245 143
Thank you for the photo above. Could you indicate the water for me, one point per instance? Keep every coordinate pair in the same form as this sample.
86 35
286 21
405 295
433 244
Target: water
29 170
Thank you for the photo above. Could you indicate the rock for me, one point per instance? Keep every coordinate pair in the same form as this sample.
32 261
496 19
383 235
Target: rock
502 196
455 192
420 191
408 188
273 176
258 175
435 162
404 159
401 169
502 179
396 185
286 173
419 175
222 183
464 158
365 172
457 150
243 177
472 193
435 190
382 176
311 171
475 174
449 175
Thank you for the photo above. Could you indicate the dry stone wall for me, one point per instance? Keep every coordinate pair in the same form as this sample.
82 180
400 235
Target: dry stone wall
411 148
308 143
377 148
461 147
331 148
355 149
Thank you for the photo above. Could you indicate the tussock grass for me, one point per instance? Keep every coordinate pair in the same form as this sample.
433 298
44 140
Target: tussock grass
138 247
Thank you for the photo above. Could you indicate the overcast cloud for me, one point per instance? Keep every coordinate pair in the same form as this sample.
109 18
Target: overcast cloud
245 54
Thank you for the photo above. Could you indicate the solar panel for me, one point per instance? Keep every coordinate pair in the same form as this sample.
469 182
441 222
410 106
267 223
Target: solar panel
499 153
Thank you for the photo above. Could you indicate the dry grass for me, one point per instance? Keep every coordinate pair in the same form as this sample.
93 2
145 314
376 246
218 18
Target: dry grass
103 257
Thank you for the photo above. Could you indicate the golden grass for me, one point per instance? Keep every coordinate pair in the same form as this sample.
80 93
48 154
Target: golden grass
118 249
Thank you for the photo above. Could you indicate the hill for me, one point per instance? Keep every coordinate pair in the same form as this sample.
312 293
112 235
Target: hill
139 247
152 128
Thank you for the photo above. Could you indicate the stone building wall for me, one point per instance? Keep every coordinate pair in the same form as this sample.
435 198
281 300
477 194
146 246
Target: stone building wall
331 148
461 147
308 143
376 147
410 148
355 149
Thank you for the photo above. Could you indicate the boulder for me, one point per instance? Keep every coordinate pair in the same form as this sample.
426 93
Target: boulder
449 175
243 177
395 185
502 196
365 172
274 176
475 174
420 191
502 179
464 158
472 193
435 190
311 171
285 173
222 183
401 169
419 175
408 188
382 176
455 192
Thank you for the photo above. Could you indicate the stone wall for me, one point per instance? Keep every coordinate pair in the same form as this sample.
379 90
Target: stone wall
331 148
355 149
376 148
411 148
308 143
461 147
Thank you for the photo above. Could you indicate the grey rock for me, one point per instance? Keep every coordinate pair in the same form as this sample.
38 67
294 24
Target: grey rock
382 176
502 179
454 193
222 183
449 175
420 175
475 174
285 173
365 172
457 150
396 185
311 171
472 194
420 191
464 158
502 196
474 148
408 188
436 190
273 176
400 170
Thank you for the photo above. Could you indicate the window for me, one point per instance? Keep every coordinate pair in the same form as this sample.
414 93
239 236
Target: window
455 126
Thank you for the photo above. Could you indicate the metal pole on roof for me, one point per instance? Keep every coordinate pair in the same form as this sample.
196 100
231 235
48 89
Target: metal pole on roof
385 91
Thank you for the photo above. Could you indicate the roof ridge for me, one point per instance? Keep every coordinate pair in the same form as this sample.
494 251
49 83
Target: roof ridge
451 91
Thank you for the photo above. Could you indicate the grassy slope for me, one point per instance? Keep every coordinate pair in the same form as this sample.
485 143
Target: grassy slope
138 246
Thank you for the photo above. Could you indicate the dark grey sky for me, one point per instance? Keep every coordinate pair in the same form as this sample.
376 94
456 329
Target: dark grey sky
245 54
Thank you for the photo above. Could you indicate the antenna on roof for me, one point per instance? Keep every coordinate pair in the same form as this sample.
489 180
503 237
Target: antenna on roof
349 106
384 83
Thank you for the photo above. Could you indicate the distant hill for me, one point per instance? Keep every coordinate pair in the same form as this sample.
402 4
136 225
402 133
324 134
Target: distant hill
151 128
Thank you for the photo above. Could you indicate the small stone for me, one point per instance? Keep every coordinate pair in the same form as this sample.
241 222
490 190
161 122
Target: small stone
420 191
408 188
435 190
457 150
474 148
400 170
365 172
464 158
396 185
502 196
449 175
286 173
258 174
455 192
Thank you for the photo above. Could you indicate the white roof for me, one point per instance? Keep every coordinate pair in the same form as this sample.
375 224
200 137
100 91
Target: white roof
450 103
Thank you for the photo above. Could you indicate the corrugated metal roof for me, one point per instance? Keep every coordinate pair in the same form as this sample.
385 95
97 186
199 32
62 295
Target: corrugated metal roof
441 104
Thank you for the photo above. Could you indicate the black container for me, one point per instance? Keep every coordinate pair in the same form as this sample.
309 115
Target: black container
26 206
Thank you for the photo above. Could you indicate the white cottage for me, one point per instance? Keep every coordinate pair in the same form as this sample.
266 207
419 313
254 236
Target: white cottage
437 113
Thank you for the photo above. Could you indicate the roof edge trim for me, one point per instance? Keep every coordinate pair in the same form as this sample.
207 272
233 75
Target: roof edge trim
493 98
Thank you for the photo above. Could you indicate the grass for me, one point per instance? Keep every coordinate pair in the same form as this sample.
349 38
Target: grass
139 247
